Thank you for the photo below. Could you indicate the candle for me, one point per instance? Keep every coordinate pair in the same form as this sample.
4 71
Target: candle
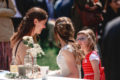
22 70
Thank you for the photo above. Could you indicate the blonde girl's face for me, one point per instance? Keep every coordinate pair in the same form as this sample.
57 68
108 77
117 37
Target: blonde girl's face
83 40
39 26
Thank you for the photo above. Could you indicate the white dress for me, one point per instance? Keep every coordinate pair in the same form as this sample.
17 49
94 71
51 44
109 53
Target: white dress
64 70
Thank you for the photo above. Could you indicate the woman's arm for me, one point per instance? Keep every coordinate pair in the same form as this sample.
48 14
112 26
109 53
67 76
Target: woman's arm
95 66
20 54
71 63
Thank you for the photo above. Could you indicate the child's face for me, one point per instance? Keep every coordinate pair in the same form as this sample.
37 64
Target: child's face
82 39
39 26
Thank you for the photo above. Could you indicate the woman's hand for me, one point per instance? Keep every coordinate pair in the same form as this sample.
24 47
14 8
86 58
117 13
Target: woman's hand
87 6
93 8
90 8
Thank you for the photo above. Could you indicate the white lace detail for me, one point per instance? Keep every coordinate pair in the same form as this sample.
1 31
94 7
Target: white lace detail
68 47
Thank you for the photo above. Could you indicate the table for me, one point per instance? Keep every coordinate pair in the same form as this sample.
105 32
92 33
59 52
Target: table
2 76
61 78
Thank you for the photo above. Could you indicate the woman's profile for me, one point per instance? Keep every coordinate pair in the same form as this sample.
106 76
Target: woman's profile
33 23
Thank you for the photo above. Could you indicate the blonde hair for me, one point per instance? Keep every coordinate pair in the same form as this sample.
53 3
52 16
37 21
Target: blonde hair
90 34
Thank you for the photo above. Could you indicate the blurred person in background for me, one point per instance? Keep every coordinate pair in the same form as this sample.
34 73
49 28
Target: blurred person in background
82 14
7 10
56 8
111 50
63 8
111 11
17 17
24 5
51 21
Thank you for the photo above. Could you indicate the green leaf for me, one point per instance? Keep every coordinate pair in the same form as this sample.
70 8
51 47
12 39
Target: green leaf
30 45
25 42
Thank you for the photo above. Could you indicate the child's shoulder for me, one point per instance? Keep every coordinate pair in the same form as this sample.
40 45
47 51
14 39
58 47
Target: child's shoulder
94 52
94 56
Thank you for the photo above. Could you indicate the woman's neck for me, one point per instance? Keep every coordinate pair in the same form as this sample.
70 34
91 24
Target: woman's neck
86 51
62 43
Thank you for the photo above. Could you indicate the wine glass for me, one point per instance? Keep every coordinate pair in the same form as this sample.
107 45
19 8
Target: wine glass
44 71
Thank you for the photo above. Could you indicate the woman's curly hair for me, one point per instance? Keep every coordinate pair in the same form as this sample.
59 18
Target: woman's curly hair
65 29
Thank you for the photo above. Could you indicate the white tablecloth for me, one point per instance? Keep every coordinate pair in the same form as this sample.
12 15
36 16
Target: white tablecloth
61 78
3 73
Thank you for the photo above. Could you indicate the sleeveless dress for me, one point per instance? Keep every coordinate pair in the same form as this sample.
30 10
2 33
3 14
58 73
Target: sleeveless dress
87 67
64 70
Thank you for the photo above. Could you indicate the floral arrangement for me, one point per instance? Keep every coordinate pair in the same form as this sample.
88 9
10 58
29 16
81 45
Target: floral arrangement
15 76
35 48
32 69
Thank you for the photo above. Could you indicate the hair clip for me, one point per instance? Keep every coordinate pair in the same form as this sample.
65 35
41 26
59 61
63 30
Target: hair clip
60 22
24 18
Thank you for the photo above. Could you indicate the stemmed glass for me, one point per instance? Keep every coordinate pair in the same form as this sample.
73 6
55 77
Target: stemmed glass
44 71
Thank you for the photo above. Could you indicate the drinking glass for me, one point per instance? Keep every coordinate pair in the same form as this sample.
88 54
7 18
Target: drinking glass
21 70
44 71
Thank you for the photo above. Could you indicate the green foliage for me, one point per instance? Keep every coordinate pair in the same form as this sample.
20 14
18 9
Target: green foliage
11 75
49 59
25 42
30 45
15 76
39 55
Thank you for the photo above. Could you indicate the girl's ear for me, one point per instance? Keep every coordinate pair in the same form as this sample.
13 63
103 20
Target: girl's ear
35 21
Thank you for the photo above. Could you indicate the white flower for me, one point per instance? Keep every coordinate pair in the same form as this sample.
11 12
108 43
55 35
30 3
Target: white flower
29 39
34 47
35 51
32 51
38 49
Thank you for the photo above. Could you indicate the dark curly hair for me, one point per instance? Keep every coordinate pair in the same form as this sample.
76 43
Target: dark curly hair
65 29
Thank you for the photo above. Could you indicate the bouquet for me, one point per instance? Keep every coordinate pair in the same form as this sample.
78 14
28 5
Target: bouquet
34 48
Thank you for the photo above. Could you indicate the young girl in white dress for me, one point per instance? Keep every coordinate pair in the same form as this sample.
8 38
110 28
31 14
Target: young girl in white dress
70 55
